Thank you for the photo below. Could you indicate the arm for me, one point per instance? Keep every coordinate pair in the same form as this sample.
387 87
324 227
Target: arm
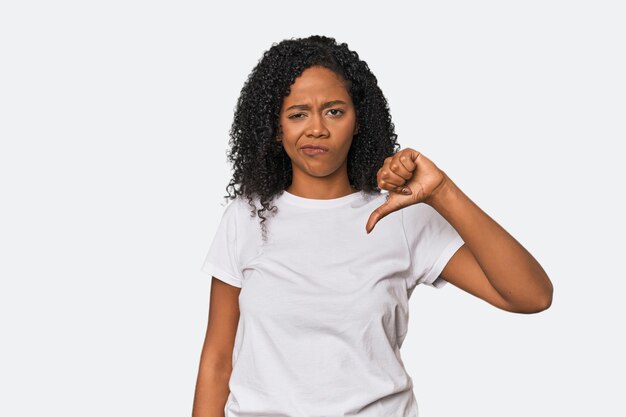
491 264
216 359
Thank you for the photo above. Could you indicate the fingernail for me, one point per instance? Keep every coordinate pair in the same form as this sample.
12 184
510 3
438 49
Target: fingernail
406 191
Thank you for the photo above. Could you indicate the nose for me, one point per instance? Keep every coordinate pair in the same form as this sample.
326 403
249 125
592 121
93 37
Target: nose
316 127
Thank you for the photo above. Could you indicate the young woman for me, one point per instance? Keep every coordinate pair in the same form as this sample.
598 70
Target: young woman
309 306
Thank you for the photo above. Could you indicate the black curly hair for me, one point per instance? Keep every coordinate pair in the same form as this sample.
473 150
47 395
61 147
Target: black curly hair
261 167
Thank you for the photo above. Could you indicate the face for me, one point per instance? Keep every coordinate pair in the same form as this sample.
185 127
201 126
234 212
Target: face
318 111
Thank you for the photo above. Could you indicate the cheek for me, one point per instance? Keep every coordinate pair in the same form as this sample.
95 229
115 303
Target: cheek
290 131
347 131
349 123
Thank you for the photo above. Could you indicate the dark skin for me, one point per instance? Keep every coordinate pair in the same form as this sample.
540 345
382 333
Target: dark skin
490 265
318 111
215 361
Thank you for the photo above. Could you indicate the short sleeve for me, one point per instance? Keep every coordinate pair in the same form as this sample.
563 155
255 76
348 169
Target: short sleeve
431 240
221 261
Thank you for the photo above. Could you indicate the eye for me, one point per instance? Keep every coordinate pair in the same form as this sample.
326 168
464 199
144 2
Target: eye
339 110
297 115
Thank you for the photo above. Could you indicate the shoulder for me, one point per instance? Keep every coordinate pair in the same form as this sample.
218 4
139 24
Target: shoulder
231 207
420 212
242 210
240 202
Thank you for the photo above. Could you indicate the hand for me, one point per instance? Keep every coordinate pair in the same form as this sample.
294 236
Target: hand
408 169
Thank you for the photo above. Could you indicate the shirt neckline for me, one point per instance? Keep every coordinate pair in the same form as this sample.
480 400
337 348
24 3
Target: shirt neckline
293 199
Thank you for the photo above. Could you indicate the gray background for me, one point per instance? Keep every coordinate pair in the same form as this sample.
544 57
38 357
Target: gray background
114 118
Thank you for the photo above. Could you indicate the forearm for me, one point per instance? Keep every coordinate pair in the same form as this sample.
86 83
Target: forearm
510 268
211 391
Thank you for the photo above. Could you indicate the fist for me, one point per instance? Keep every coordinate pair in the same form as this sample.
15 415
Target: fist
407 169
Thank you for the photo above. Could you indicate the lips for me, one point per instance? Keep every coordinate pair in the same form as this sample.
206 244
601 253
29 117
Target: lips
324 148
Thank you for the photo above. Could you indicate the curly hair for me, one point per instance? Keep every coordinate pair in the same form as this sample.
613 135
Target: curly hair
261 167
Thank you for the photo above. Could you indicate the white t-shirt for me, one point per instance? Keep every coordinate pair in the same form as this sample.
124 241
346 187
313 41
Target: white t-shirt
323 305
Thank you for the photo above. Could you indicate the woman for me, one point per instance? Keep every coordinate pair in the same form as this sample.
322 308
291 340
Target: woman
308 312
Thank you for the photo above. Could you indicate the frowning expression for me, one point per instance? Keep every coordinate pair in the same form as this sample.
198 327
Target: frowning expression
318 112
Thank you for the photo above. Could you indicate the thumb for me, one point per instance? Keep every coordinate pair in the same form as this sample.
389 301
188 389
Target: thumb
379 213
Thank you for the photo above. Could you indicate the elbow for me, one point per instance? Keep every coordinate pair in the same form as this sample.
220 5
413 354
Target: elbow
534 304
542 302
533 308
544 305
548 293
548 300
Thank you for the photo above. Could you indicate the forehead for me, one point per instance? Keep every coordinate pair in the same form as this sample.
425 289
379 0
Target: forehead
317 83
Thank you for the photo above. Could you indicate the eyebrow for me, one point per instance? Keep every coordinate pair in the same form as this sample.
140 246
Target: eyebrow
324 106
